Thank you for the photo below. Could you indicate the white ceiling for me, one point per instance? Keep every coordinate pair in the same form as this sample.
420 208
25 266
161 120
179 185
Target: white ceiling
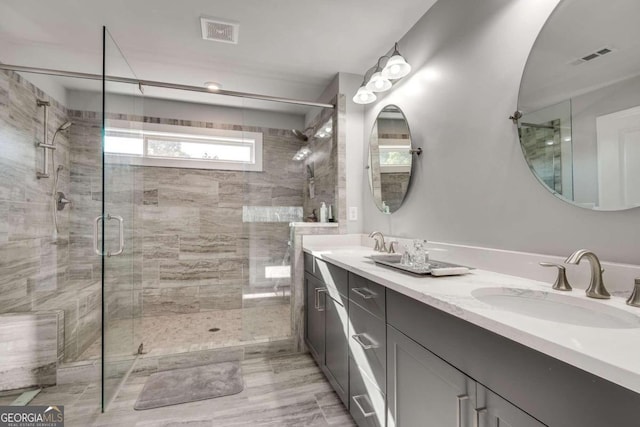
287 48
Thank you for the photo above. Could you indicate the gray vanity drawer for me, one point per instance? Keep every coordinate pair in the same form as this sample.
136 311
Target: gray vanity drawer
367 294
366 403
334 277
367 341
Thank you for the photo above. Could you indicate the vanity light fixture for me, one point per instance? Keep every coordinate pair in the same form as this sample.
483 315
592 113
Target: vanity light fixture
213 86
377 82
380 78
396 67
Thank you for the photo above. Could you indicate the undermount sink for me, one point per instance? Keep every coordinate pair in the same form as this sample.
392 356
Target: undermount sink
557 308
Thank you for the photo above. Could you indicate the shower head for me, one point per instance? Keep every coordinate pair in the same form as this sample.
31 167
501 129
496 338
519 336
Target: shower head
301 136
65 126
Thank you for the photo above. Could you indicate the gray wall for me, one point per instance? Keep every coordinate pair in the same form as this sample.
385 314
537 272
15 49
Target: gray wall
472 184
355 150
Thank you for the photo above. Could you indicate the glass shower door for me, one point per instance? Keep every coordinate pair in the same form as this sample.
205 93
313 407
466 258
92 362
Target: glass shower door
120 245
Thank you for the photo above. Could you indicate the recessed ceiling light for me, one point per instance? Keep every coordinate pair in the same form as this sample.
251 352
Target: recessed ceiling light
213 86
550 142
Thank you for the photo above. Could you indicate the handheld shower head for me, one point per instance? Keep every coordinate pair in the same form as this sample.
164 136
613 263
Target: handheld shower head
65 126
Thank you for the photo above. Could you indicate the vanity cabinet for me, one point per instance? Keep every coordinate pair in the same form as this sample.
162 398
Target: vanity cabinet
368 352
397 362
494 411
326 321
423 389
315 317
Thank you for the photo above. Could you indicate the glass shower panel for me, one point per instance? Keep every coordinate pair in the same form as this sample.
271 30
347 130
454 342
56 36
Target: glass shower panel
120 245
298 174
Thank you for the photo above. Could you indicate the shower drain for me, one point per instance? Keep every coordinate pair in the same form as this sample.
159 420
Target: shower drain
214 329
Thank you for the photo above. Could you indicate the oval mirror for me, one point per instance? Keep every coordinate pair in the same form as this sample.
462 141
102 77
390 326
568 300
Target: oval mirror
580 104
390 159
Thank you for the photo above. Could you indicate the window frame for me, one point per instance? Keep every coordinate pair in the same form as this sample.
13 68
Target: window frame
191 134
393 145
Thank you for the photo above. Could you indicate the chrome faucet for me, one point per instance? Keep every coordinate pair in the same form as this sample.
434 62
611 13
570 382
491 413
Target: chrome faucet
596 287
380 246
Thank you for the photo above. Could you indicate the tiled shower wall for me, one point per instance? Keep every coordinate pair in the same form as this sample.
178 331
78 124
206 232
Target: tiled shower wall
197 251
35 273
323 163
33 262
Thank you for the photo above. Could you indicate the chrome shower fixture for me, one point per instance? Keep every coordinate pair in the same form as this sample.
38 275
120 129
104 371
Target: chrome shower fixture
61 200
63 127
43 144
300 134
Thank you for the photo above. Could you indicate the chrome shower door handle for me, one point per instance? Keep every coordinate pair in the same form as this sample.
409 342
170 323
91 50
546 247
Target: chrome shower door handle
121 234
96 226
96 221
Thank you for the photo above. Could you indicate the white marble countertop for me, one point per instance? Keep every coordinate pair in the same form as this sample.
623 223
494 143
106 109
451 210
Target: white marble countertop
613 354
313 224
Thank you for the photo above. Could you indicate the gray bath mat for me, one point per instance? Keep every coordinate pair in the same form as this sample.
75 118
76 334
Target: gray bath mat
190 384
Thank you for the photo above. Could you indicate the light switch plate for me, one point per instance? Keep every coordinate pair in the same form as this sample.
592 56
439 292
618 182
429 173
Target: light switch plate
353 213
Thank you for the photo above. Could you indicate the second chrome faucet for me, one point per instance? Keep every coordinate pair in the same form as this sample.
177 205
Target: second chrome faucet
596 287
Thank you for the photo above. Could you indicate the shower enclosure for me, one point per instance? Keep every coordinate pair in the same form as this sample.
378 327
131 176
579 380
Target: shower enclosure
171 245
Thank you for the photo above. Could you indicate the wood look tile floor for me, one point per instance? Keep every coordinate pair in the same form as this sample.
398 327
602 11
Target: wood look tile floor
283 391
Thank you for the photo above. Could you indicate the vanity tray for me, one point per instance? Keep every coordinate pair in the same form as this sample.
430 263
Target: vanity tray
436 268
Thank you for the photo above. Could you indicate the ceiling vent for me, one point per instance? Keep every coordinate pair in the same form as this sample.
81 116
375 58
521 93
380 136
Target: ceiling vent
218 30
593 55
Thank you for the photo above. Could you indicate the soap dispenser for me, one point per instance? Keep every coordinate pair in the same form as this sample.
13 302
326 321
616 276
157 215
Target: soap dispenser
323 212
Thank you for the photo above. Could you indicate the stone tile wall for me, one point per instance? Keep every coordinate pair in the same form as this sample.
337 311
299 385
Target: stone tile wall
33 261
394 187
323 163
35 273
196 252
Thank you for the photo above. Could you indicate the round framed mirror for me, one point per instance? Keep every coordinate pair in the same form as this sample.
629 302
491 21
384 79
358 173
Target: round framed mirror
579 104
390 159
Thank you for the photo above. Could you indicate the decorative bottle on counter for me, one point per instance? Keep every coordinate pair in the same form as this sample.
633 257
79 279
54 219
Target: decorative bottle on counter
323 212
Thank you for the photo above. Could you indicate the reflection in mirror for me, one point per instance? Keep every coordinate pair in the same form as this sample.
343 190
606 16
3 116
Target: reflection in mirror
389 159
580 104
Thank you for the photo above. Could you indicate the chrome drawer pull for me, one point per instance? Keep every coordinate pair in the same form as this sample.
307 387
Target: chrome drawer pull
366 414
360 292
479 412
461 399
317 299
358 339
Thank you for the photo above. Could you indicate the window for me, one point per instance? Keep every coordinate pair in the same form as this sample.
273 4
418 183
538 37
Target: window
182 146
395 155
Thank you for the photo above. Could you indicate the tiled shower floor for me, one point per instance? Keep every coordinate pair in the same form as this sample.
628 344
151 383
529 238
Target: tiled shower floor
177 333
